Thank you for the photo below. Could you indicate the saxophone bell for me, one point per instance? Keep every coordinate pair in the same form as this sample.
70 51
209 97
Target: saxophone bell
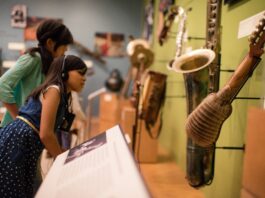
194 67
193 61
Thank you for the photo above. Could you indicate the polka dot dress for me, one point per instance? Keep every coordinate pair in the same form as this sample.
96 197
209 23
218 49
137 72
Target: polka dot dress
20 149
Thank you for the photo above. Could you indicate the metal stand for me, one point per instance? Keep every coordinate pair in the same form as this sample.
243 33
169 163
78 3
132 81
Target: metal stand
135 126
231 147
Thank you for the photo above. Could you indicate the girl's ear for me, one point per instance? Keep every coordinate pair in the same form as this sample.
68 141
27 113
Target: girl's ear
50 44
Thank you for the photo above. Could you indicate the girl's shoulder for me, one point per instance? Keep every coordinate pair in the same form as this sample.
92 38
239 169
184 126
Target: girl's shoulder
52 86
28 62
27 56
56 87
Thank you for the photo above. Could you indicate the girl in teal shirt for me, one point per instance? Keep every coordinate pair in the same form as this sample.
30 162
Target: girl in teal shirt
30 69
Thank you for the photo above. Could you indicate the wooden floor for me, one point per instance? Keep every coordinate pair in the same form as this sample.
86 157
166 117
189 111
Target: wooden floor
165 179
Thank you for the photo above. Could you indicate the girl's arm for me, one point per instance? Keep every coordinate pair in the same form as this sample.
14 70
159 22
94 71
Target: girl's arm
12 108
50 103
9 80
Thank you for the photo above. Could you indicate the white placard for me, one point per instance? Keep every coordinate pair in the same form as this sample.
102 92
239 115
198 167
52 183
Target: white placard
88 63
247 26
8 64
101 167
16 46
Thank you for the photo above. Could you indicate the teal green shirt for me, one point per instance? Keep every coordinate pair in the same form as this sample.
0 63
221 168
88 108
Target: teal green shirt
18 82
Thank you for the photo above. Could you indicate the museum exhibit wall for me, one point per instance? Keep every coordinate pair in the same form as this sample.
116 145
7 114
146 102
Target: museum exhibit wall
84 18
228 163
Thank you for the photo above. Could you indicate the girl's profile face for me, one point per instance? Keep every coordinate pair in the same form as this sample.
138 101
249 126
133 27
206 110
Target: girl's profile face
59 51
76 80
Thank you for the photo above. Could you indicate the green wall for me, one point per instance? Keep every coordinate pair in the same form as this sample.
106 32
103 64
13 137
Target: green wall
228 163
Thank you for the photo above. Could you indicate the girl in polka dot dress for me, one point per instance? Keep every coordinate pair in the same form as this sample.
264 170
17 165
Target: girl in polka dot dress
46 110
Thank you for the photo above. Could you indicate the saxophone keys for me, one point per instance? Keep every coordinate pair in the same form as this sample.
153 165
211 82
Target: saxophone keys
213 8
211 31
213 14
212 23
211 89
210 46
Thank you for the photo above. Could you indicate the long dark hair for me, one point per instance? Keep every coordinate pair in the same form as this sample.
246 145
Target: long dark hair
54 30
54 75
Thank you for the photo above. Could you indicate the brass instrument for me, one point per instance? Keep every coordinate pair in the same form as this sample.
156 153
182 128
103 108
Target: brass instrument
141 58
182 30
195 68
154 83
152 97
131 47
200 69
205 122
173 12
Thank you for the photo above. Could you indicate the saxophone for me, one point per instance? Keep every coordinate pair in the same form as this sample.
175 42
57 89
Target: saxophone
200 69
175 11
141 58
